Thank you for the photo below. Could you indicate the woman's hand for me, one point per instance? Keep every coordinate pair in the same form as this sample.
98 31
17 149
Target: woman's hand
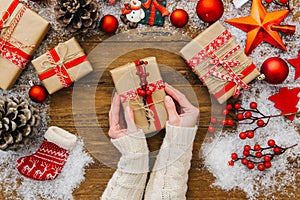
189 115
115 131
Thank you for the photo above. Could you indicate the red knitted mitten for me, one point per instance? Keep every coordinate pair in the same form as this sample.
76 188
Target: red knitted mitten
48 161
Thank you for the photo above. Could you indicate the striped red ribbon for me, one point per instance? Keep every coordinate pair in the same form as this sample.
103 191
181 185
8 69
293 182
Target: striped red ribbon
59 68
209 51
7 50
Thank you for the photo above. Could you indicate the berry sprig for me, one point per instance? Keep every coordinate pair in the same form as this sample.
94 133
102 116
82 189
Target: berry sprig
285 3
248 116
259 156
141 72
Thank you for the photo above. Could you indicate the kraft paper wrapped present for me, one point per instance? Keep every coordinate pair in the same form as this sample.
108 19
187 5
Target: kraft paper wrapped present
133 82
61 66
21 32
219 62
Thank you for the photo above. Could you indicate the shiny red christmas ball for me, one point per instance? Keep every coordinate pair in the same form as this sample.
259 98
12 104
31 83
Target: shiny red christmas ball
179 18
38 93
210 11
275 70
109 24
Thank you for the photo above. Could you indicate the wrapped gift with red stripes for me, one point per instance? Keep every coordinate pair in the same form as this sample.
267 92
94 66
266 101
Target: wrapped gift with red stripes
61 66
141 87
220 62
21 32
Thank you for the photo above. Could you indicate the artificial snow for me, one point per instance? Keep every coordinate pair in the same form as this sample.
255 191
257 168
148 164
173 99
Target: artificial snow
14 185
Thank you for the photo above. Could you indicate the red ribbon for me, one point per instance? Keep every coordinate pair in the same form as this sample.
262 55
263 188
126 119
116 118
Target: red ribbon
155 5
7 49
60 69
132 94
142 74
208 51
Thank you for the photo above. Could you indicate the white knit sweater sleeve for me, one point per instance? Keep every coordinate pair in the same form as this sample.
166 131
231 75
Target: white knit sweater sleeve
128 181
168 180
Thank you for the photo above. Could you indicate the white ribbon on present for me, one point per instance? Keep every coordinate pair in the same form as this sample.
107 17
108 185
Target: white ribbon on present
239 3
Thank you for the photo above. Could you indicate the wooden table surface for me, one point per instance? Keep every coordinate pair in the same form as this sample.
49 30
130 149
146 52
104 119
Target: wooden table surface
83 109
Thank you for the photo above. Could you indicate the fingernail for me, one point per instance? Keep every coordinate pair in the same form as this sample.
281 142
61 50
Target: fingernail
167 98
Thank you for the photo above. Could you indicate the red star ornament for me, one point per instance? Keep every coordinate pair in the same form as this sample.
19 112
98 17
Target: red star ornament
259 26
295 62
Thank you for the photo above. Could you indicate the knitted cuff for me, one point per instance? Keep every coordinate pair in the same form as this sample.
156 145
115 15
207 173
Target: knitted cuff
181 137
132 143
134 150
177 143
61 137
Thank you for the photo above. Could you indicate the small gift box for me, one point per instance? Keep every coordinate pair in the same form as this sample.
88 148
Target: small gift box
21 32
155 12
61 66
141 87
219 62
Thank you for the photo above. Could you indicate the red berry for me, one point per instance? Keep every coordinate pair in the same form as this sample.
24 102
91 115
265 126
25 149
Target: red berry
277 150
284 1
268 164
250 165
213 120
148 92
246 153
260 123
243 135
268 1
224 122
253 105
258 154
237 106
229 107
256 147
250 134
267 158
247 148
211 129
141 92
231 163
225 112
248 115
244 161
261 167
271 143
240 116
234 156
229 122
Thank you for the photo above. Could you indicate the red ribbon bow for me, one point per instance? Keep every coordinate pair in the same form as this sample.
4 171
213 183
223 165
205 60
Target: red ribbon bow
59 66
7 50
208 51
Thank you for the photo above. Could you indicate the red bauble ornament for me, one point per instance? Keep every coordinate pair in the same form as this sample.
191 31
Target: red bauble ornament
38 93
109 24
179 18
275 70
210 11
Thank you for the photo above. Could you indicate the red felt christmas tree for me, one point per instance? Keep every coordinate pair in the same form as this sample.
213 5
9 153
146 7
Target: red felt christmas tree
286 101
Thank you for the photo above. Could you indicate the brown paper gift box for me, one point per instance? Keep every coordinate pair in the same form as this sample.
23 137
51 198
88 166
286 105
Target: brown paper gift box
218 40
30 30
72 64
149 115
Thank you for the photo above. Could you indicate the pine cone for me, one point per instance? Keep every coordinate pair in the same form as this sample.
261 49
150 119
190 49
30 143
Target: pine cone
77 15
18 123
